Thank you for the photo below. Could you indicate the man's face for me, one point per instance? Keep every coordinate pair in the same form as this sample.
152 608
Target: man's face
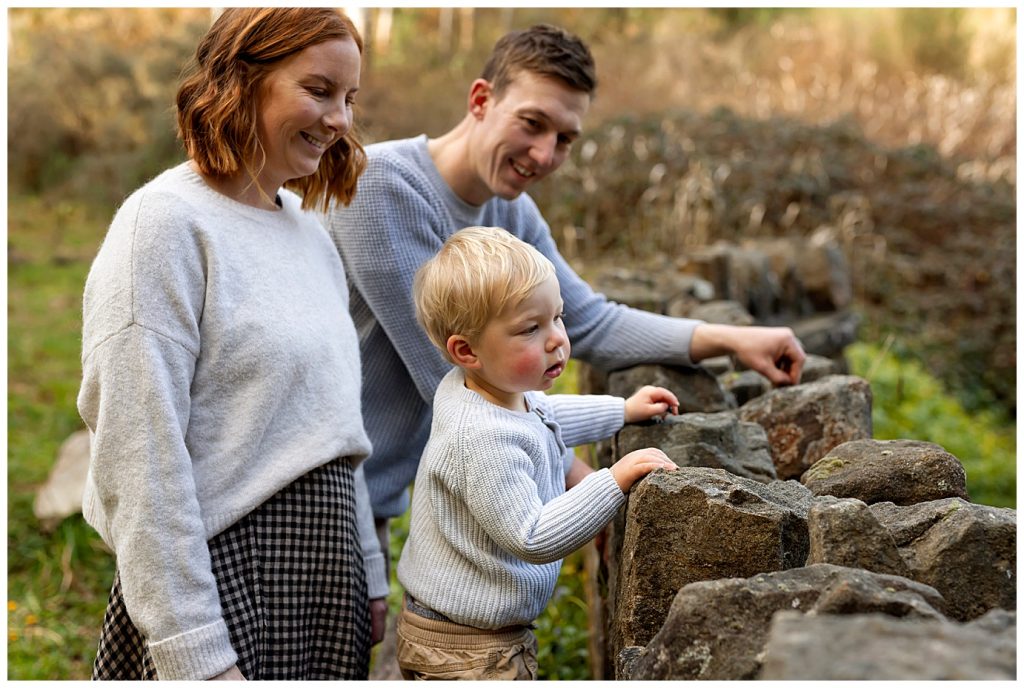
524 135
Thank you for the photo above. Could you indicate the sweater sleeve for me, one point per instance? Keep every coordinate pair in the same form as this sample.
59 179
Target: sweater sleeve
373 558
606 334
586 418
140 343
388 231
503 498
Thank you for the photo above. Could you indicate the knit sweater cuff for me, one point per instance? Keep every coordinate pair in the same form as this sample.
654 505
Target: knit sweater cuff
607 490
376 576
194 656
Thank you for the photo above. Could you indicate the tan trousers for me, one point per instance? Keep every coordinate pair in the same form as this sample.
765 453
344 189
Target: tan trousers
443 650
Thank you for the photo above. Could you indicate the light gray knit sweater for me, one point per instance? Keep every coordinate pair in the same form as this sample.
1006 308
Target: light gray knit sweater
218 366
491 518
402 214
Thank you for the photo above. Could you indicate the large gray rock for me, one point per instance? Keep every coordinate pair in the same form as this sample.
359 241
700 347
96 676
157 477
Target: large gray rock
813 272
845 532
804 422
742 274
824 272
695 524
745 385
709 440
722 312
827 334
968 552
650 291
817 367
61 495
626 660
878 647
717 630
696 388
898 471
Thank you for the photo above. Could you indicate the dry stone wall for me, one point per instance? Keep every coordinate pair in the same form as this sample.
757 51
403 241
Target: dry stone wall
789 540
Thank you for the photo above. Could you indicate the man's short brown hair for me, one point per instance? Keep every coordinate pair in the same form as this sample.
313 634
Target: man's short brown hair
545 50
218 98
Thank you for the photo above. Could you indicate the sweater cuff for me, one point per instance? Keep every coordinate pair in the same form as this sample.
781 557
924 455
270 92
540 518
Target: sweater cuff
194 656
607 489
376 576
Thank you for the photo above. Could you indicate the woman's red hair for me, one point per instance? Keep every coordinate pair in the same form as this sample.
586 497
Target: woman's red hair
218 98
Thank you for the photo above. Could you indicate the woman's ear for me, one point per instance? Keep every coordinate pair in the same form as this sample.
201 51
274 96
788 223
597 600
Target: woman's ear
461 351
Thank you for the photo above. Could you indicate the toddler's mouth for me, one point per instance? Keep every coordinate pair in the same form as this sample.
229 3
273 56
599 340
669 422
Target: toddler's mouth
554 371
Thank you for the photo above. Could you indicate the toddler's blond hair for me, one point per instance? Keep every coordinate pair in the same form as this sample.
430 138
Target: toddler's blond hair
477 274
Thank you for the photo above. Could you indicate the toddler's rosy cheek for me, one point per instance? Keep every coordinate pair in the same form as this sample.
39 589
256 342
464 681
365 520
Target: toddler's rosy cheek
525 365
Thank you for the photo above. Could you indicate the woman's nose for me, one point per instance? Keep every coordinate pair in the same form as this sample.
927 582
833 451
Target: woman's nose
339 118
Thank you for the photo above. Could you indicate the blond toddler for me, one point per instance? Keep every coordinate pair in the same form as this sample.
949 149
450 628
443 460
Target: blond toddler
499 497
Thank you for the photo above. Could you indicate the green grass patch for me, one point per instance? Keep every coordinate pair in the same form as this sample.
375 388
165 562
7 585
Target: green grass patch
909 403
57 582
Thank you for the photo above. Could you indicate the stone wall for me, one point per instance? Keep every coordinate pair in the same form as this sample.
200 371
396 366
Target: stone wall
790 543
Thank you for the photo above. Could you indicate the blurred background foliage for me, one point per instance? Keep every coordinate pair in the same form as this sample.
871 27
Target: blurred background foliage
895 126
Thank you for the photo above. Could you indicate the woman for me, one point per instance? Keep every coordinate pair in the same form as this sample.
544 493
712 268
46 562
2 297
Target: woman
221 376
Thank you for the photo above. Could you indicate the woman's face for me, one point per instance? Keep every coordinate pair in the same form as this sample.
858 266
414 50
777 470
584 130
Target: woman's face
305 107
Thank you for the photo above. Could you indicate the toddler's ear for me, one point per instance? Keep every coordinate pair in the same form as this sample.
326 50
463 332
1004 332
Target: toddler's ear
462 352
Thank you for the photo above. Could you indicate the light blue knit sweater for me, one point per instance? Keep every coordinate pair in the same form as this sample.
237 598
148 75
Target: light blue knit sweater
402 215
491 518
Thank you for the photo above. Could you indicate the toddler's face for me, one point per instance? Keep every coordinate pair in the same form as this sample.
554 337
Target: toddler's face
525 347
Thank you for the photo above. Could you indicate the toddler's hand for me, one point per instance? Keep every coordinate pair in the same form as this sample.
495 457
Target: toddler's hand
650 401
636 465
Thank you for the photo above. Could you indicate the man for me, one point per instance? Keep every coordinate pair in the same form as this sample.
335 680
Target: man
524 113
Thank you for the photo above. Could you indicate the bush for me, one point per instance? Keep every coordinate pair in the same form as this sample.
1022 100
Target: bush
908 403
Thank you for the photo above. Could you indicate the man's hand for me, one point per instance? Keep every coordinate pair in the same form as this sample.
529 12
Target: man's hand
378 619
637 464
650 401
775 352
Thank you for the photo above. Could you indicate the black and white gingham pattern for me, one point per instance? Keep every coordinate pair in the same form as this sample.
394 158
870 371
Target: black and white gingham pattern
292 589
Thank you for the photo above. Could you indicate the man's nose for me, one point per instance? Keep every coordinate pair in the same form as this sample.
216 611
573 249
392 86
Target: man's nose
543 150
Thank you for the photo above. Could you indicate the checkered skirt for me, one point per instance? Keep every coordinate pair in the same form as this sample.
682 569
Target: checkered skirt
292 589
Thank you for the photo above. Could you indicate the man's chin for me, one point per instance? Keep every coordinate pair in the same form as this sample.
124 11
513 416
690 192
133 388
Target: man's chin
510 194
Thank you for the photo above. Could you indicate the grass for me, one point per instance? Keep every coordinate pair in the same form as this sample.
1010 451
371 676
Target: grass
58 581
909 403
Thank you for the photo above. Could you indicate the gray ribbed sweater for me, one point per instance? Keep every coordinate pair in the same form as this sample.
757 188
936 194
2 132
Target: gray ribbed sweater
402 215
218 366
491 518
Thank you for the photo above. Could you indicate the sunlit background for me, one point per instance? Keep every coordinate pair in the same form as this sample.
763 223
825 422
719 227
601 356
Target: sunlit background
896 127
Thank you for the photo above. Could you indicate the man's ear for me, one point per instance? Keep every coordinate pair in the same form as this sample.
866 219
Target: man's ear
480 96
462 352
